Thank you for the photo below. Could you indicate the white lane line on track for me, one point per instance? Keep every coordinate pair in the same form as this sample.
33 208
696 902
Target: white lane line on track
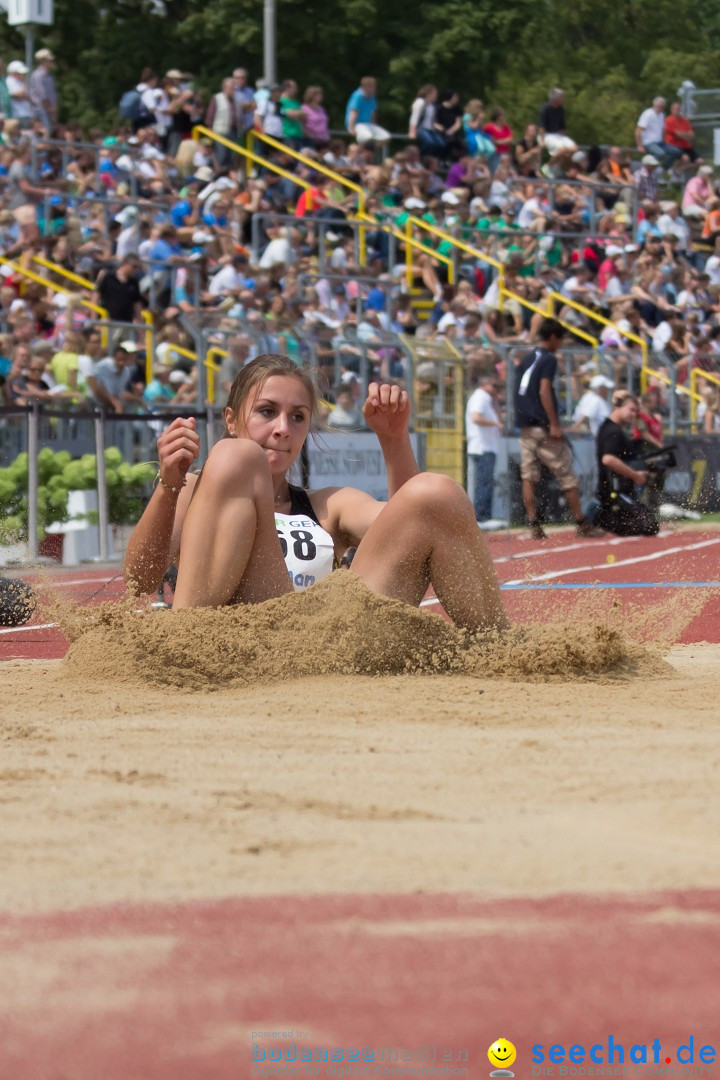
83 581
577 546
22 629
616 565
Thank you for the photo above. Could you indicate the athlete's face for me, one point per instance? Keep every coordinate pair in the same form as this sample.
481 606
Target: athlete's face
278 419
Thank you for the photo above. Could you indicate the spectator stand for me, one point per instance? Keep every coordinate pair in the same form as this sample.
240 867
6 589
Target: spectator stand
104 323
311 163
562 301
109 204
23 272
68 151
412 224
202 132
506 294
263 218
626 192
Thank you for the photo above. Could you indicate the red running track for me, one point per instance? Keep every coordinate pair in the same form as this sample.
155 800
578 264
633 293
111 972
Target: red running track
689 556
174 992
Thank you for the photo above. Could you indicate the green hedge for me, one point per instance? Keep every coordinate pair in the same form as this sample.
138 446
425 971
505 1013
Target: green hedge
58 474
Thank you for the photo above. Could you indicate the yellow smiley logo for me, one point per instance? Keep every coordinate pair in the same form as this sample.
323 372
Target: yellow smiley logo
502 1053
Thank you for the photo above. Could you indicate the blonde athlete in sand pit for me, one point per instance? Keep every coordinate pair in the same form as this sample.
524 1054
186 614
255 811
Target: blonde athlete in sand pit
235 550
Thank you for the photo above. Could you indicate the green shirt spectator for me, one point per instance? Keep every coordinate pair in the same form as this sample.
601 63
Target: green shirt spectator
289 104
6 107
64 368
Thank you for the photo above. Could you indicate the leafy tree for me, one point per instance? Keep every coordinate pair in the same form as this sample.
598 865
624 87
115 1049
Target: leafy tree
611 56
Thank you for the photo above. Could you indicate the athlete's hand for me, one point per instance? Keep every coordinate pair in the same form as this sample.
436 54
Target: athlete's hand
555 431
178 447
387 409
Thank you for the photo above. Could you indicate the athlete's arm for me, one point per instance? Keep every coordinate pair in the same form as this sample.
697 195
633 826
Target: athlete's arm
346 513
155 540
387 412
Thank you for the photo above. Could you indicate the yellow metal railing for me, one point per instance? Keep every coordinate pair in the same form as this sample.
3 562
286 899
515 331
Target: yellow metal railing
412 245
199 130
54 287
209 362
16 268
212 370
679 389
476 253
57 269
311 163
440 418
318 167
149 343
461 245
542 311
590 314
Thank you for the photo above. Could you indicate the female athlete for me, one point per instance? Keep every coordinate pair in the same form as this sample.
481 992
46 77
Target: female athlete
226 522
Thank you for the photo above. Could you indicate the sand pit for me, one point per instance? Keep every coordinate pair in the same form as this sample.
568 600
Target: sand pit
351 783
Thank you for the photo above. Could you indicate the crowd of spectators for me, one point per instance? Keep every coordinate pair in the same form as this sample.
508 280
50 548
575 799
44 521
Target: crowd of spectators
272 256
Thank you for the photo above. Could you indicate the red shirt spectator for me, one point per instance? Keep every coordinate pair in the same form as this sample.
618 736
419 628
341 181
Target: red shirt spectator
647 424
678 129
499 131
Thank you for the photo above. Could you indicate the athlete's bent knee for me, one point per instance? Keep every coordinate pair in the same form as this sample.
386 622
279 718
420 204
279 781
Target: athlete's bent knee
235 461
435 490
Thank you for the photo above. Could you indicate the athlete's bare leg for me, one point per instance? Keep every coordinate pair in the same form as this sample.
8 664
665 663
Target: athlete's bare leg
229 548
426 534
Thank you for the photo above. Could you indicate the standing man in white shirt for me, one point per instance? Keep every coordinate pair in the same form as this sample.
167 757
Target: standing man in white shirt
483 427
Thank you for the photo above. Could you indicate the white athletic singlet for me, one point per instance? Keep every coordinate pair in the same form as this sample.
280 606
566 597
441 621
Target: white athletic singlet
308 550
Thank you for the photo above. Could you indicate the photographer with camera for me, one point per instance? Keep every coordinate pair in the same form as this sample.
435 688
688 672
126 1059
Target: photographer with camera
620 511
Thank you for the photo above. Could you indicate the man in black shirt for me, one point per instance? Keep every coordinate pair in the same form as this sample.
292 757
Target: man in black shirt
620 512
551 126
541 439
118 291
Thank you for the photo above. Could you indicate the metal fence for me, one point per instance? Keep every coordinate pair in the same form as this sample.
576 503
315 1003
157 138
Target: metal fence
434 371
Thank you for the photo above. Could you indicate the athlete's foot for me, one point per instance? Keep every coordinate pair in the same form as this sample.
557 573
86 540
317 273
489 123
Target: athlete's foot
536 531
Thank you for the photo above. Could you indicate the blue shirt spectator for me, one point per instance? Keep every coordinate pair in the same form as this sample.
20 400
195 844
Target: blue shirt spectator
363 102
159 388
166 247
180 212
376 300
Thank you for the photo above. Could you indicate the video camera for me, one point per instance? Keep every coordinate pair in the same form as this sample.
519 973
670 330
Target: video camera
659 458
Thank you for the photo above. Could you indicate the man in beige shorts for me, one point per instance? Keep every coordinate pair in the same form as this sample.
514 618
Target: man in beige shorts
541 438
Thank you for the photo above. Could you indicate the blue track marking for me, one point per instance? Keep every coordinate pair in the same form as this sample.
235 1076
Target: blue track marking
615 585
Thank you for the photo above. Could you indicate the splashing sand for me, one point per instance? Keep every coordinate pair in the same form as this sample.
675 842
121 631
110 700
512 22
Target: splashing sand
339 627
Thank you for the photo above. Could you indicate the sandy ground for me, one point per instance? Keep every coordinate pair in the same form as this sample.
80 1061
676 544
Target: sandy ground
357 784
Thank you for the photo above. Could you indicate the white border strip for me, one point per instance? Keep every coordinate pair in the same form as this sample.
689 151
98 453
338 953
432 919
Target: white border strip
615 565
22 629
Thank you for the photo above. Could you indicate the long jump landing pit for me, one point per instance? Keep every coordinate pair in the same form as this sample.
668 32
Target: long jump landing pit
389 861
